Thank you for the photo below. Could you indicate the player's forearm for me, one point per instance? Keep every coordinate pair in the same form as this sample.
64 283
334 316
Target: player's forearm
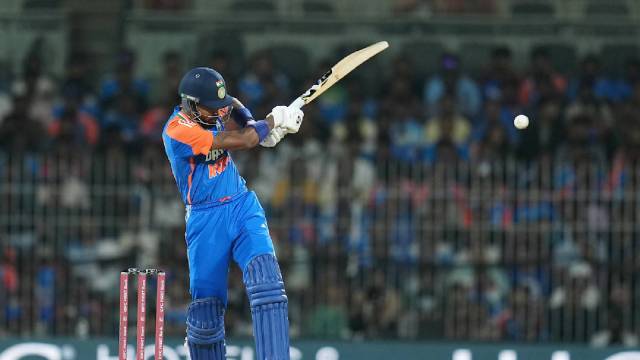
236 140
245 138
251 139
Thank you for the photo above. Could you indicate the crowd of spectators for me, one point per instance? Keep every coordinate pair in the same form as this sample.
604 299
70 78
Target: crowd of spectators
392 212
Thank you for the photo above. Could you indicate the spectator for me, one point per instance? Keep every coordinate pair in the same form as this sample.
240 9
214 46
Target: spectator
450 80
449 129
631 106
630 80
591 78
9 270
495 115
384 306
263 86
509 102
124 117
545 133
73 129
580 148
576 296
45 295
357 314
494 145
499 73
165 88
74 125
19 130
38 87
10 303
153 120
542 81
124 82
403 69
587 102
402 113
78 76
400 100
627 156
406 136
165 99
523 320
456 323
617 331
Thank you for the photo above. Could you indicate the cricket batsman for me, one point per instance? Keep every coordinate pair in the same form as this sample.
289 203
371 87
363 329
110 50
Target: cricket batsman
224 220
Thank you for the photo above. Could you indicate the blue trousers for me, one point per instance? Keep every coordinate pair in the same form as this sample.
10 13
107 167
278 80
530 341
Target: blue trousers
215 233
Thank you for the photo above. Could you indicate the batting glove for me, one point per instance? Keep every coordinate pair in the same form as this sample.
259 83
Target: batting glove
274 137
287 118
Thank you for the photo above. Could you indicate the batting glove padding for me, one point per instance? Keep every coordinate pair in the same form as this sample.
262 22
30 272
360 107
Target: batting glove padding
274 137
288 118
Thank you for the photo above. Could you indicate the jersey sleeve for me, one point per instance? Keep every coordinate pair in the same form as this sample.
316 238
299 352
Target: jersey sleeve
194 139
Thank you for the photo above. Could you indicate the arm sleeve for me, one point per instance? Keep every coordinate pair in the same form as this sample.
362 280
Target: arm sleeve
195 140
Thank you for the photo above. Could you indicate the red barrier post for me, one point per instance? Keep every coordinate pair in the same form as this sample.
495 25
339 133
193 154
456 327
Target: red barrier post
124 315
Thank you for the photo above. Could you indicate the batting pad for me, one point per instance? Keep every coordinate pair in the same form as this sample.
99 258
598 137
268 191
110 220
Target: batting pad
205 329
269 310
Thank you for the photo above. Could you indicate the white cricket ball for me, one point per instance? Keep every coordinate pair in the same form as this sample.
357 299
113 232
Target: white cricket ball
521 122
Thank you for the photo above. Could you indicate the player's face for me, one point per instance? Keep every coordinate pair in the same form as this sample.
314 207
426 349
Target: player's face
211 116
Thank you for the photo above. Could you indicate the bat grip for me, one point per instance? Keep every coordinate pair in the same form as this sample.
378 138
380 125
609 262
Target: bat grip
297 103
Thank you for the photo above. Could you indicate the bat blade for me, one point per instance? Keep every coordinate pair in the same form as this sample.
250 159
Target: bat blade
338 71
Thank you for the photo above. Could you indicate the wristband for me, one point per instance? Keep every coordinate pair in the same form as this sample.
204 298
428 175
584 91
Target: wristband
261 127
241 116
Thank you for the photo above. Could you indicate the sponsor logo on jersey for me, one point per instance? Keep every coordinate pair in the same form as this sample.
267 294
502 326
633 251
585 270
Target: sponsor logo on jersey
218 167
214 154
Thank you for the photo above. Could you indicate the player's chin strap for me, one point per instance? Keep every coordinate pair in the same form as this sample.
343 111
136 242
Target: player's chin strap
269 309
205 329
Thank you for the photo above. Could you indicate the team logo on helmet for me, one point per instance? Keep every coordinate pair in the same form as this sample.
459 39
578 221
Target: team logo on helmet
221 90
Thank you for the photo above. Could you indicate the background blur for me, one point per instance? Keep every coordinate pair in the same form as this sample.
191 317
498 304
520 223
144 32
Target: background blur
407 208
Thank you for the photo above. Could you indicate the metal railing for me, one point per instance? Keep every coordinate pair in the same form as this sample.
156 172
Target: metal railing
377 249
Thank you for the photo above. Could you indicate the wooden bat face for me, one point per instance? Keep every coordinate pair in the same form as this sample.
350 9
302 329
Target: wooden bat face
338 71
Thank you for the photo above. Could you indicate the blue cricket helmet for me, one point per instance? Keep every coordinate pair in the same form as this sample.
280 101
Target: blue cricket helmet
205 86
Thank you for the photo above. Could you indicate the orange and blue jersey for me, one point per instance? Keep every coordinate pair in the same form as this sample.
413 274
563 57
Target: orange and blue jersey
224 221
204 176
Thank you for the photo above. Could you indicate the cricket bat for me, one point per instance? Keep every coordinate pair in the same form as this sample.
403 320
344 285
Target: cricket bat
337 72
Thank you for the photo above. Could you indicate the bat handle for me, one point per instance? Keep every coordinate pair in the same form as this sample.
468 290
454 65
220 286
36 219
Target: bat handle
297 103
